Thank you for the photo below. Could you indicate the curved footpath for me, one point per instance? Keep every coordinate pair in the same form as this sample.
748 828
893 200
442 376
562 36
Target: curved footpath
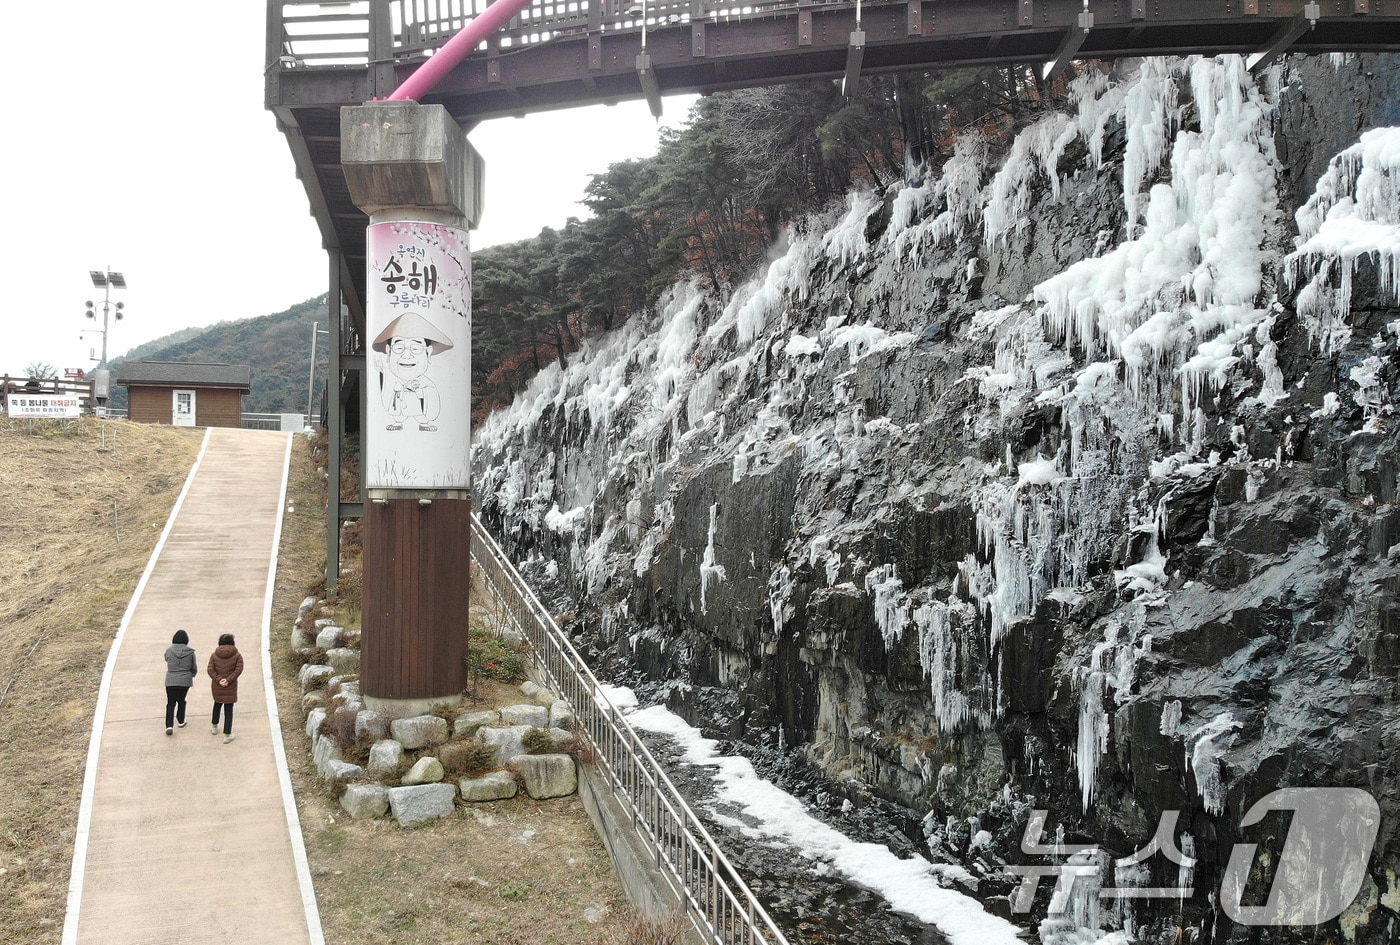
184 839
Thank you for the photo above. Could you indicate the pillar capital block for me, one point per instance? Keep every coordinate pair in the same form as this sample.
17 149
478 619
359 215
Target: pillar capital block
406 156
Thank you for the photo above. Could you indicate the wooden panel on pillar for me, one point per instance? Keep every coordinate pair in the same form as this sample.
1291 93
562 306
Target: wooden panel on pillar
416 598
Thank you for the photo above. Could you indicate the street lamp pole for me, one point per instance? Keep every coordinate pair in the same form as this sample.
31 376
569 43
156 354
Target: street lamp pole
106 280
316 329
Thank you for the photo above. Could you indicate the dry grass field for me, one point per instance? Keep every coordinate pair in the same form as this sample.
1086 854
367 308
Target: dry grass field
505 873
81 506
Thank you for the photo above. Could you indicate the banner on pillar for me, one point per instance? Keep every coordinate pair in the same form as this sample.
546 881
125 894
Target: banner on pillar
418 314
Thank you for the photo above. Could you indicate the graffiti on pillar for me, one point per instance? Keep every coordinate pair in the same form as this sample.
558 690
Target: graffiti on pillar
418 313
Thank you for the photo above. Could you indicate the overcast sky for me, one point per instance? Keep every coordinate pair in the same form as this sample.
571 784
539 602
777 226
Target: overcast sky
139 143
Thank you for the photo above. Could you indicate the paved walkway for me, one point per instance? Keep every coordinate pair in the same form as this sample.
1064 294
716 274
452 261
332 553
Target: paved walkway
184 839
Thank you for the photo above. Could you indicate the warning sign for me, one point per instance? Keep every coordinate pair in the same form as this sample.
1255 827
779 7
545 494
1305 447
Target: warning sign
20 406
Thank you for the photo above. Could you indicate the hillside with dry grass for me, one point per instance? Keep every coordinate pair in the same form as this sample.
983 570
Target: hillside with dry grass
82 504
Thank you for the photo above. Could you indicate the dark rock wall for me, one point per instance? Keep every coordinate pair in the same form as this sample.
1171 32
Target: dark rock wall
989 510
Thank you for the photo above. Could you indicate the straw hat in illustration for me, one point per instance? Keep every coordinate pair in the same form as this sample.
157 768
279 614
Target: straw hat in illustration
412 325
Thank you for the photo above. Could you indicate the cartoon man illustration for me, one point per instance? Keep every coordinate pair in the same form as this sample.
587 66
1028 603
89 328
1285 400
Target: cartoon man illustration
406 346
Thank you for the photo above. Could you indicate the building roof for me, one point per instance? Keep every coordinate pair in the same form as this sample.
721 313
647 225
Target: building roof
194 373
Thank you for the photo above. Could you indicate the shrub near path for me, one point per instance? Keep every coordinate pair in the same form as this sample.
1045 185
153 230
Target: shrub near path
82 503
501 873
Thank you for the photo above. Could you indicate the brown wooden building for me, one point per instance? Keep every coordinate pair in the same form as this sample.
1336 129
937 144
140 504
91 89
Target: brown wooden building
185 394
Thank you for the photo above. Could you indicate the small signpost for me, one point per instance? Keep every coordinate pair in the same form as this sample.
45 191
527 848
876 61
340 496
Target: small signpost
25 405
45 397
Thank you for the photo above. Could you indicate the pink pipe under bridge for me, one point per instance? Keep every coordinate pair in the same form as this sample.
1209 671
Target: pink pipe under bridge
456 49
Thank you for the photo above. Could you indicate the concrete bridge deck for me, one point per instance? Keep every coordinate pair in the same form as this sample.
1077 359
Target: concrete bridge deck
185 839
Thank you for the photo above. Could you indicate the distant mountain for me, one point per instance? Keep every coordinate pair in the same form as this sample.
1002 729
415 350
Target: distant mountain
276 347
150 348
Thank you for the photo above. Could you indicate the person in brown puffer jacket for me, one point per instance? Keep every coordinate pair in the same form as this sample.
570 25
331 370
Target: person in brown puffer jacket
225 666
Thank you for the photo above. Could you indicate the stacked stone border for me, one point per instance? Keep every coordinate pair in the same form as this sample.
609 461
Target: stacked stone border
524 745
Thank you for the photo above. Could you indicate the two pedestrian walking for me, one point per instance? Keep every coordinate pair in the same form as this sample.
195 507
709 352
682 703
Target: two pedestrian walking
224 667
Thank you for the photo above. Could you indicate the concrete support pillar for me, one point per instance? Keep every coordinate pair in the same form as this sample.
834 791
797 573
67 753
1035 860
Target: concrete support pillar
410 168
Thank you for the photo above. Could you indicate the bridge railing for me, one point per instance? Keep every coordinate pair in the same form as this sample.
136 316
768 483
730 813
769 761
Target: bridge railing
319 34
717 901
285 422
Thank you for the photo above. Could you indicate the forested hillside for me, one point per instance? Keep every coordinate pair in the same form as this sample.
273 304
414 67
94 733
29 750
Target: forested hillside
715 199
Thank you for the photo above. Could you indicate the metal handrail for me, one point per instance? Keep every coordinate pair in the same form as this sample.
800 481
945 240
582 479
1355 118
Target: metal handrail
316 37
718 902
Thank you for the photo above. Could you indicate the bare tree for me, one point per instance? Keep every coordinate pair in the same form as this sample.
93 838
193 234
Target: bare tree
41 369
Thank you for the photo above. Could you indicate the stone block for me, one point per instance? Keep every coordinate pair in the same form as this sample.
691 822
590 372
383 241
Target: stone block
421 802
528 689
353 702
323 752
384 758
426 770
370 722
532 715
547 775
314 720
418 731
365 801
343 771
300 639
467 725
508 742
328 638
346 693
343 660
314 676
313 700
496 786
561 715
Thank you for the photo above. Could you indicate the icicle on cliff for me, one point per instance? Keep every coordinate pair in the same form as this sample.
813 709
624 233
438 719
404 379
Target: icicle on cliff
1064 481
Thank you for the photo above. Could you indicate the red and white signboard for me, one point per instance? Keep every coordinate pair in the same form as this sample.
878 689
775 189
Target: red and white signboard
20 406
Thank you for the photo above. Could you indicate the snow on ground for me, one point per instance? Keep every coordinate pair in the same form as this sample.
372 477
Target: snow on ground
770 813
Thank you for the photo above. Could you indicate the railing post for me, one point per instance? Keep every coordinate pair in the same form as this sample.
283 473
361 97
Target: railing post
382 79
684 851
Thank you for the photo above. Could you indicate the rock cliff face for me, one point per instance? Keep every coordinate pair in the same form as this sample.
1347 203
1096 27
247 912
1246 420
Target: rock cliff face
1065 480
